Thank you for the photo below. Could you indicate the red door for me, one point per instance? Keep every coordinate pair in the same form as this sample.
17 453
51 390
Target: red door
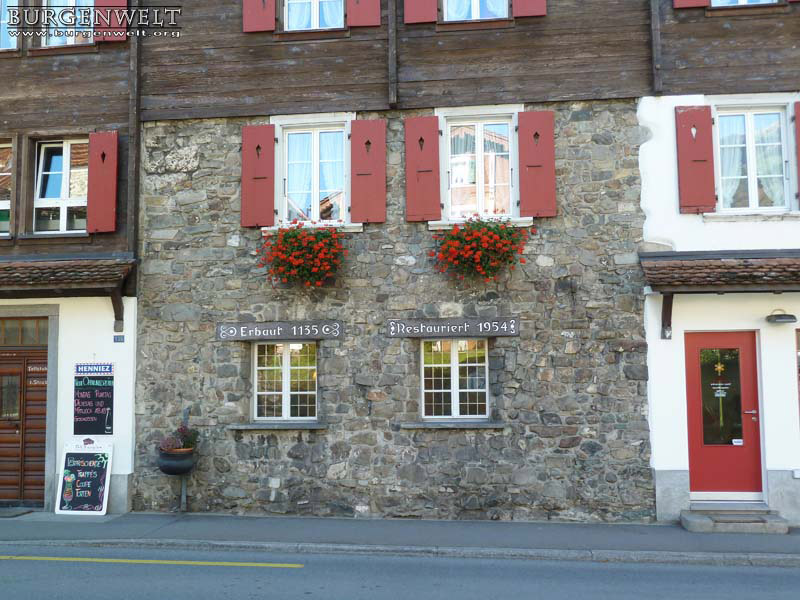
722 395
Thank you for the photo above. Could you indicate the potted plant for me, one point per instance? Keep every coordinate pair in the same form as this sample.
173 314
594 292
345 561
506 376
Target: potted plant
308 256
480 248
176 451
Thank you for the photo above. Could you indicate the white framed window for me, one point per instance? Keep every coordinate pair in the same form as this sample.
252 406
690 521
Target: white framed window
313 164
752 159
7 41
716 3
74 27
6 171
475 10
285 385
455 379
301 15
62 182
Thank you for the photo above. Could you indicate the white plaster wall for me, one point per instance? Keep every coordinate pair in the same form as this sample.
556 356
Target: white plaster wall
86 334
658 163
777 365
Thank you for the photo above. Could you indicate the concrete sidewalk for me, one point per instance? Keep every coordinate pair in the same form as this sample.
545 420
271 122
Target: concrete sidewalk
480 539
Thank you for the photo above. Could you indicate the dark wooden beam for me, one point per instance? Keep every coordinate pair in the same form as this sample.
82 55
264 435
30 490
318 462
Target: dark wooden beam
392 53
655 34
666 316
119 308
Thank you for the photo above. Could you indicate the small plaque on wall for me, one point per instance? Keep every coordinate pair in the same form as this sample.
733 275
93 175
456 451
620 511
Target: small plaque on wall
280 330
452 328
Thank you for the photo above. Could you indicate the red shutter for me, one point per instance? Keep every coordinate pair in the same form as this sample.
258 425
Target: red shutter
258 15
797 136
695 159
363 13
529 8
691 3
258 176
537 164
422 169
420 11
368 171
113 32
102 196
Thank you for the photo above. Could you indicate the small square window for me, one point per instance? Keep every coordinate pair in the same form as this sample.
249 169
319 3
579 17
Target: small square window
62 182
285 381
7 40
303 15
73 23
475 10
751 150
455 378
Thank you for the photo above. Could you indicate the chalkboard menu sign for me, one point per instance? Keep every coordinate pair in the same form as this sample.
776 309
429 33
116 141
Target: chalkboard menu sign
83 485
94 399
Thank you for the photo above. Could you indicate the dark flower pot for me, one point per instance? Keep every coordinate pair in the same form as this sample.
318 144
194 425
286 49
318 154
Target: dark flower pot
176 462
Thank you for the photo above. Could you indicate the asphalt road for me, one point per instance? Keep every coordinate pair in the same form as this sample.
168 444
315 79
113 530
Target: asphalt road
52 573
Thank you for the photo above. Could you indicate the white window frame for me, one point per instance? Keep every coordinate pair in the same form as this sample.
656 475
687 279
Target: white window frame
6 204
286 390
76 39
4 18
314 16
476 10
297 123
716 3
64 201
734 106
485 114
455 404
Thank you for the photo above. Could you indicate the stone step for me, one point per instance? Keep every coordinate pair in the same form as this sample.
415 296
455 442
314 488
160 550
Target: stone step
731 521
739 507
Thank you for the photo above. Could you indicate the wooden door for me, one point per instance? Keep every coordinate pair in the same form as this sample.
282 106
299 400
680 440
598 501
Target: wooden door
23 415
723 418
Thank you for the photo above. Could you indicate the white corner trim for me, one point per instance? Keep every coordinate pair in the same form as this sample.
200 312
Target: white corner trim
515 222
312 119
479 111
343 227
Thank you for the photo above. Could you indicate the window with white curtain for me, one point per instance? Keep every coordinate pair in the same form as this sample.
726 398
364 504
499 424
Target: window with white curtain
6 162
479 167
474 10
741 2
285 381
7 41
301 15
455 376
62 183
752 150
314 174
71 35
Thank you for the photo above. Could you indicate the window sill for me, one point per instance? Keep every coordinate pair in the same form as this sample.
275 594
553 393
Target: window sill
58 50
313 34
475 24
748 10
515 222
10 53
344 227
279 425
751 217
453 425
49 236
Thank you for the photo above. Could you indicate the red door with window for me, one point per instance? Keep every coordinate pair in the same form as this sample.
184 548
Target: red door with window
722 395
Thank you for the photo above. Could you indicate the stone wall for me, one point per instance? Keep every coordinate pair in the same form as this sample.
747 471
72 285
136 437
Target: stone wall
570 389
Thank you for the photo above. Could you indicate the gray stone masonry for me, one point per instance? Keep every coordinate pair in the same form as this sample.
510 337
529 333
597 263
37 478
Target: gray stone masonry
570 390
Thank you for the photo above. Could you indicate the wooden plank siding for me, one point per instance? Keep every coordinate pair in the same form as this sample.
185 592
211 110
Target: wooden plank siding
58 95
743 51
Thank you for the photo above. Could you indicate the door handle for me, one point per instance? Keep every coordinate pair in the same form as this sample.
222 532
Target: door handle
751 412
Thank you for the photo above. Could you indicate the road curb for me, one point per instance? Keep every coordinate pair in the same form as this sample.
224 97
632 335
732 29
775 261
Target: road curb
607 556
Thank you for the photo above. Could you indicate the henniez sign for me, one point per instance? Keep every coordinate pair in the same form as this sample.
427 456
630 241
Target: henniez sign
280 330
452 328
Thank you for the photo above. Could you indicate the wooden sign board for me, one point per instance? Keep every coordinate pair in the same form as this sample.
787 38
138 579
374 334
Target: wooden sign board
85 470
93 399
452 328
280 330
